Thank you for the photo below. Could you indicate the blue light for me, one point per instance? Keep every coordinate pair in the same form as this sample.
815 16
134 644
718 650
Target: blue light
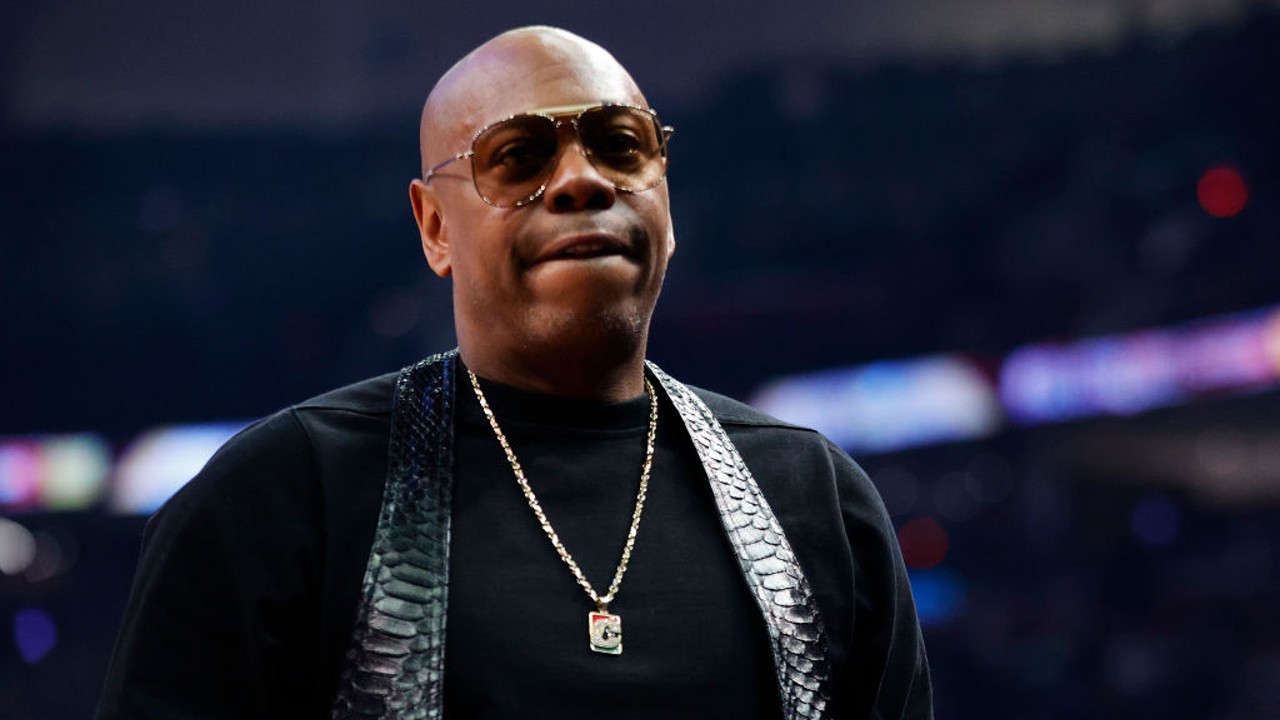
939 595
160 461
35 634
888 405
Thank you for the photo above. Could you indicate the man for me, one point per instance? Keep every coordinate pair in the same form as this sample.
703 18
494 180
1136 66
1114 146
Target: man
430 543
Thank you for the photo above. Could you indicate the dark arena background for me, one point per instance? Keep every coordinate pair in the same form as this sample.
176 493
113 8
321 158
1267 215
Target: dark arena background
1020 257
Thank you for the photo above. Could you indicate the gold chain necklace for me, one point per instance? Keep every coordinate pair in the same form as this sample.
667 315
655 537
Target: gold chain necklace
604 629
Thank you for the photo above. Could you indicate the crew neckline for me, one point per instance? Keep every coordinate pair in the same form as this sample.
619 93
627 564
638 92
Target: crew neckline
518 406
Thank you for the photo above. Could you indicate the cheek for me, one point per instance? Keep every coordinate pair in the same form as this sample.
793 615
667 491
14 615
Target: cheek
482 259
657 217
656 211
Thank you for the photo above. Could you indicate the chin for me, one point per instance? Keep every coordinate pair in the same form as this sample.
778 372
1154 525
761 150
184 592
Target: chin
604 330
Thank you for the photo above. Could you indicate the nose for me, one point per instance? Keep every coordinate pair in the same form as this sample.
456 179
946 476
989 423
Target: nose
575 184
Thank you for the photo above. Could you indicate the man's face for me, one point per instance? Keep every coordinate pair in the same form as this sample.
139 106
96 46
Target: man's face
582 263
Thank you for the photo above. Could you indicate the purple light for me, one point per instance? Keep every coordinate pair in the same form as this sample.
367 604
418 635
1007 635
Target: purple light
35 634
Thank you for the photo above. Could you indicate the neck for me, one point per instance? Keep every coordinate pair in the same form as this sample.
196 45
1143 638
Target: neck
585 377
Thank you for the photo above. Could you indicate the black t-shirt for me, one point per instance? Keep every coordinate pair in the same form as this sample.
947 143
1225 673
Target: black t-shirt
694 643
250 577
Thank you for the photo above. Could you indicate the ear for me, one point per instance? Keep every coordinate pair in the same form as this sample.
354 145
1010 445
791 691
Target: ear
435 238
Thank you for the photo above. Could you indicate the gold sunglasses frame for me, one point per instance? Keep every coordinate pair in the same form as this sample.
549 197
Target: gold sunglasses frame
558 116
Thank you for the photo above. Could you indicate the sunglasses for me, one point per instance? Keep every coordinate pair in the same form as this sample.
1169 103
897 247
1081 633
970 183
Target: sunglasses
512 159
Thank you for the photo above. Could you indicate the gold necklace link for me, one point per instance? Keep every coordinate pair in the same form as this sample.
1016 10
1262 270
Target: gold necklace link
602 602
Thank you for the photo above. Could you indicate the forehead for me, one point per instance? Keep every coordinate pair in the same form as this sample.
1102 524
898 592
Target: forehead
520 77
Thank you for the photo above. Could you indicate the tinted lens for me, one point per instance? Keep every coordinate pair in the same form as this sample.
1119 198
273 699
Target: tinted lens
625 146
512 158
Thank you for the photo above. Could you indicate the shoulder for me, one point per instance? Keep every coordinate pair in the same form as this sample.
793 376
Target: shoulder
735 412
372 396
773 446
741 420
291 430
280 453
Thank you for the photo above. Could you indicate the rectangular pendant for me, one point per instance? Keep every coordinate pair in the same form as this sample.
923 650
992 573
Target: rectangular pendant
604 631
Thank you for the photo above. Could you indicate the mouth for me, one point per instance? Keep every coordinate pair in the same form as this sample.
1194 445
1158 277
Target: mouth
586 247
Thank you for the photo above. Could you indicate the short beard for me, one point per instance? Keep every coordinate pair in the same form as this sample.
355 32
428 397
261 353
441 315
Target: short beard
594 338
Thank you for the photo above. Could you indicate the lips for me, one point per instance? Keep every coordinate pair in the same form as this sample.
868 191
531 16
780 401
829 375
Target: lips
584 247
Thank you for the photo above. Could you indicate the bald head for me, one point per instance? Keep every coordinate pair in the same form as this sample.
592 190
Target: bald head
554 293
517 71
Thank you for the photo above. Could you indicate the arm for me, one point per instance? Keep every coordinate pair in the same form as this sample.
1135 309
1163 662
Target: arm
887 673
217 625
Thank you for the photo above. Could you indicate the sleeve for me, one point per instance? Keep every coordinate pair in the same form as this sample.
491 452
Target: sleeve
887 673
218 624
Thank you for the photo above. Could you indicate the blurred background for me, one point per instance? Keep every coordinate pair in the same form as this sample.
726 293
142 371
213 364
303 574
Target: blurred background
1019 257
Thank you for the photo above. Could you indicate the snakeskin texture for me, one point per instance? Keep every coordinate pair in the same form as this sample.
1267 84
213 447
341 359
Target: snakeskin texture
796 633
395 665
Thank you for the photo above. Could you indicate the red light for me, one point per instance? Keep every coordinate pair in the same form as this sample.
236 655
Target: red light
923 542
1222 191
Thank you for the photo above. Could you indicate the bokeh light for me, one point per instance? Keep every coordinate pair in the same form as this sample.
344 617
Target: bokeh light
35 634
17 547
395 312
952 498
1222 191
924 543
898 488
939 595
19 474
75 469
990 478
53 556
